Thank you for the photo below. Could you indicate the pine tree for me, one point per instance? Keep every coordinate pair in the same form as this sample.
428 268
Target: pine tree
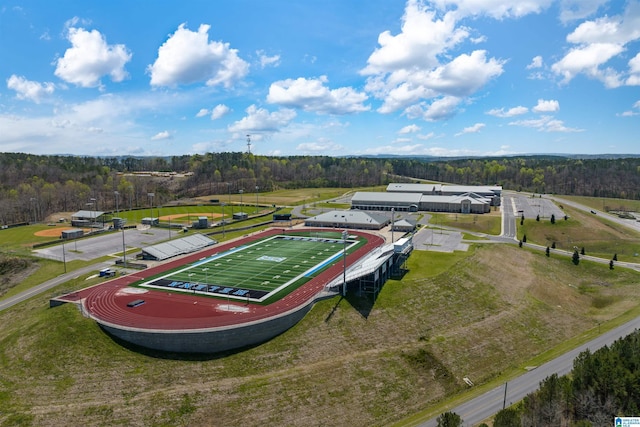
553 219
576 257
547 251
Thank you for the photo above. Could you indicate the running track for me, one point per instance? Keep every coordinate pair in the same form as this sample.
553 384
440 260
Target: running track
166 311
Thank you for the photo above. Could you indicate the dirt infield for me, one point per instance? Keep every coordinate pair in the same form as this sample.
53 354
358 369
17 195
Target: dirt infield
189 215
54 231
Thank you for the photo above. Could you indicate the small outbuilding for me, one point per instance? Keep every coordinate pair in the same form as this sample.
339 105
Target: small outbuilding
74 233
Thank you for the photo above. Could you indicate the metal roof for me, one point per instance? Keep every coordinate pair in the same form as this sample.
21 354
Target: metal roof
87 214
350 217
374 196
181 246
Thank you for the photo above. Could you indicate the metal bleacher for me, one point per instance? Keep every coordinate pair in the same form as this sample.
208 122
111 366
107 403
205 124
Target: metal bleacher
176 247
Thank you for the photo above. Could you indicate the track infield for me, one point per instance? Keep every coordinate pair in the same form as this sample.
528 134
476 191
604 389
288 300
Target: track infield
260 270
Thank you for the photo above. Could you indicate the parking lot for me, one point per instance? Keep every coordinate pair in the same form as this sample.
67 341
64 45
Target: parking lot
531 207
91 248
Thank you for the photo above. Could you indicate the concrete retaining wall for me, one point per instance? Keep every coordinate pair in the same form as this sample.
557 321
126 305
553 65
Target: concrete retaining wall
212 340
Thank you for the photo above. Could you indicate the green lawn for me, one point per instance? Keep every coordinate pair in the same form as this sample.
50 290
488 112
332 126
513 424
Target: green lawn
599 236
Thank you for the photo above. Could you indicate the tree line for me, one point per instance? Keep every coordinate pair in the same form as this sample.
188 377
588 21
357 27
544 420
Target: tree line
34 186
602 385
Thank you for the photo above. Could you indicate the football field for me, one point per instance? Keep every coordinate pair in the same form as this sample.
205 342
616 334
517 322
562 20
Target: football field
259 270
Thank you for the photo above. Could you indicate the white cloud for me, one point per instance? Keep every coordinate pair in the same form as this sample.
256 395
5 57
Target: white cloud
406 69
321 146
422 38
203 112
261 120
442 108
471 129
497 9
634 71
27 89
161 135
409 129
312 95
90 58
597 42
427 136
189 57
536 62
545 124
572 10
631 113
219 111
547 106
266 60
515 111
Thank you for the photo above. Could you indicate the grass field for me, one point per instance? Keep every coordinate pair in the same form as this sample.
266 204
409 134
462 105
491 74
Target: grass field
490 223
258 270
606 204
452 315
599 236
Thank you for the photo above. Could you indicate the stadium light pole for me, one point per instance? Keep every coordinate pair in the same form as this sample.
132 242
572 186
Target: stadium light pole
257 188
124 252
223 220
33 208
151 195
241 191
64 257
117 194
345 234
393 211
95 210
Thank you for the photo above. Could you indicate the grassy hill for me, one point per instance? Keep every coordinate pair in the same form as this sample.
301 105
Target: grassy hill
485 314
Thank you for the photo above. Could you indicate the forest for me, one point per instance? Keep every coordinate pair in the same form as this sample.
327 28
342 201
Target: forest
35 186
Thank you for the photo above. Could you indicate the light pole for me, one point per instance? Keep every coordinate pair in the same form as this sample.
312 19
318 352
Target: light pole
117 194
257 188
392 223
241 191
95 209
33 208
223 220
124 252
64 257
151 195
345 234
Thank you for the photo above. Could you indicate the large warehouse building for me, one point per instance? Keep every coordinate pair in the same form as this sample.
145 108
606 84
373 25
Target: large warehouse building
430 197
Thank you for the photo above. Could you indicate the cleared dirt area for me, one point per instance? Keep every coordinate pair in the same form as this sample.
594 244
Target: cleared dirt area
190 215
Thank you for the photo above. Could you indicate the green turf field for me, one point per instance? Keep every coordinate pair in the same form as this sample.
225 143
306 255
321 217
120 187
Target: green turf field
258 270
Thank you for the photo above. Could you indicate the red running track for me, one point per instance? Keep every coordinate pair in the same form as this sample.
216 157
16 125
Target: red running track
107 302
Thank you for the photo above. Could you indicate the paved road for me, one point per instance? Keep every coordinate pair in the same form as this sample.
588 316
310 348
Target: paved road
22 296
482 407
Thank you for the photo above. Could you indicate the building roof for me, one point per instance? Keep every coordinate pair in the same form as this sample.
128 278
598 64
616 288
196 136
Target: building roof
350 217
375 196
479 189
413 188
87 214
181 246
458 198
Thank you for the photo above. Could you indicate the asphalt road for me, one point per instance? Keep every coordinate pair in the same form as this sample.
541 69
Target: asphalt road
18 298
482 407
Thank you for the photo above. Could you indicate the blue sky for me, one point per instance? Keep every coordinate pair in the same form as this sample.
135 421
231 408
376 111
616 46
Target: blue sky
320 77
